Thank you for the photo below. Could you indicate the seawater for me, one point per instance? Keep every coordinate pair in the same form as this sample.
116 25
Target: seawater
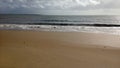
61 22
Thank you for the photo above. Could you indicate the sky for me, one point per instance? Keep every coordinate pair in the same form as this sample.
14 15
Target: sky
60 7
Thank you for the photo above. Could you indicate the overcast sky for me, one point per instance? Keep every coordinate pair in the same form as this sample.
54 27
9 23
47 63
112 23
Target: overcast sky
61 7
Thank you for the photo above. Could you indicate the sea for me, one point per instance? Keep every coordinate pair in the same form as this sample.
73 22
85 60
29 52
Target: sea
61 23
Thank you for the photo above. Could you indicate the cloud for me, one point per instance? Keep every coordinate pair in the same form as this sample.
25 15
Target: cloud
87 2
35 6
43 4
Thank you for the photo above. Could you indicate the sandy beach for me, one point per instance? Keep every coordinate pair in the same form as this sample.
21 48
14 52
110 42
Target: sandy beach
35 49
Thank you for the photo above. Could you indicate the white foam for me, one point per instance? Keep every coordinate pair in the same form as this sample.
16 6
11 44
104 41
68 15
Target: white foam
109 30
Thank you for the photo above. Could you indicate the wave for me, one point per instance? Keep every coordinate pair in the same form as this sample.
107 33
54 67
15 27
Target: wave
76 24
56 28
55 20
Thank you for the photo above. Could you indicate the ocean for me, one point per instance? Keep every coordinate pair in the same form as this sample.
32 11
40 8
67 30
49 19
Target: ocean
83 23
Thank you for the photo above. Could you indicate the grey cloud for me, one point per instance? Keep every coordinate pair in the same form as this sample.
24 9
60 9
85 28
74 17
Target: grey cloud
45 4
29 6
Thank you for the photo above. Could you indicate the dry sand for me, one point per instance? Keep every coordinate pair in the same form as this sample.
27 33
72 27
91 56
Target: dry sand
32 49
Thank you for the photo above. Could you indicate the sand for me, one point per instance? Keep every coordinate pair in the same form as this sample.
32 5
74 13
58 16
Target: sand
35 49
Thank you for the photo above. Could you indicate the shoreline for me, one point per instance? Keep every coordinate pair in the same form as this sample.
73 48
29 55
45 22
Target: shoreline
56 28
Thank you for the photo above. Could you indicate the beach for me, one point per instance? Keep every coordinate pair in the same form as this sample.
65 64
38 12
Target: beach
45 49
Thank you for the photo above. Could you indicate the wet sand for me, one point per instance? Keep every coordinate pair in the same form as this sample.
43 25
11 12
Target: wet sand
33 49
